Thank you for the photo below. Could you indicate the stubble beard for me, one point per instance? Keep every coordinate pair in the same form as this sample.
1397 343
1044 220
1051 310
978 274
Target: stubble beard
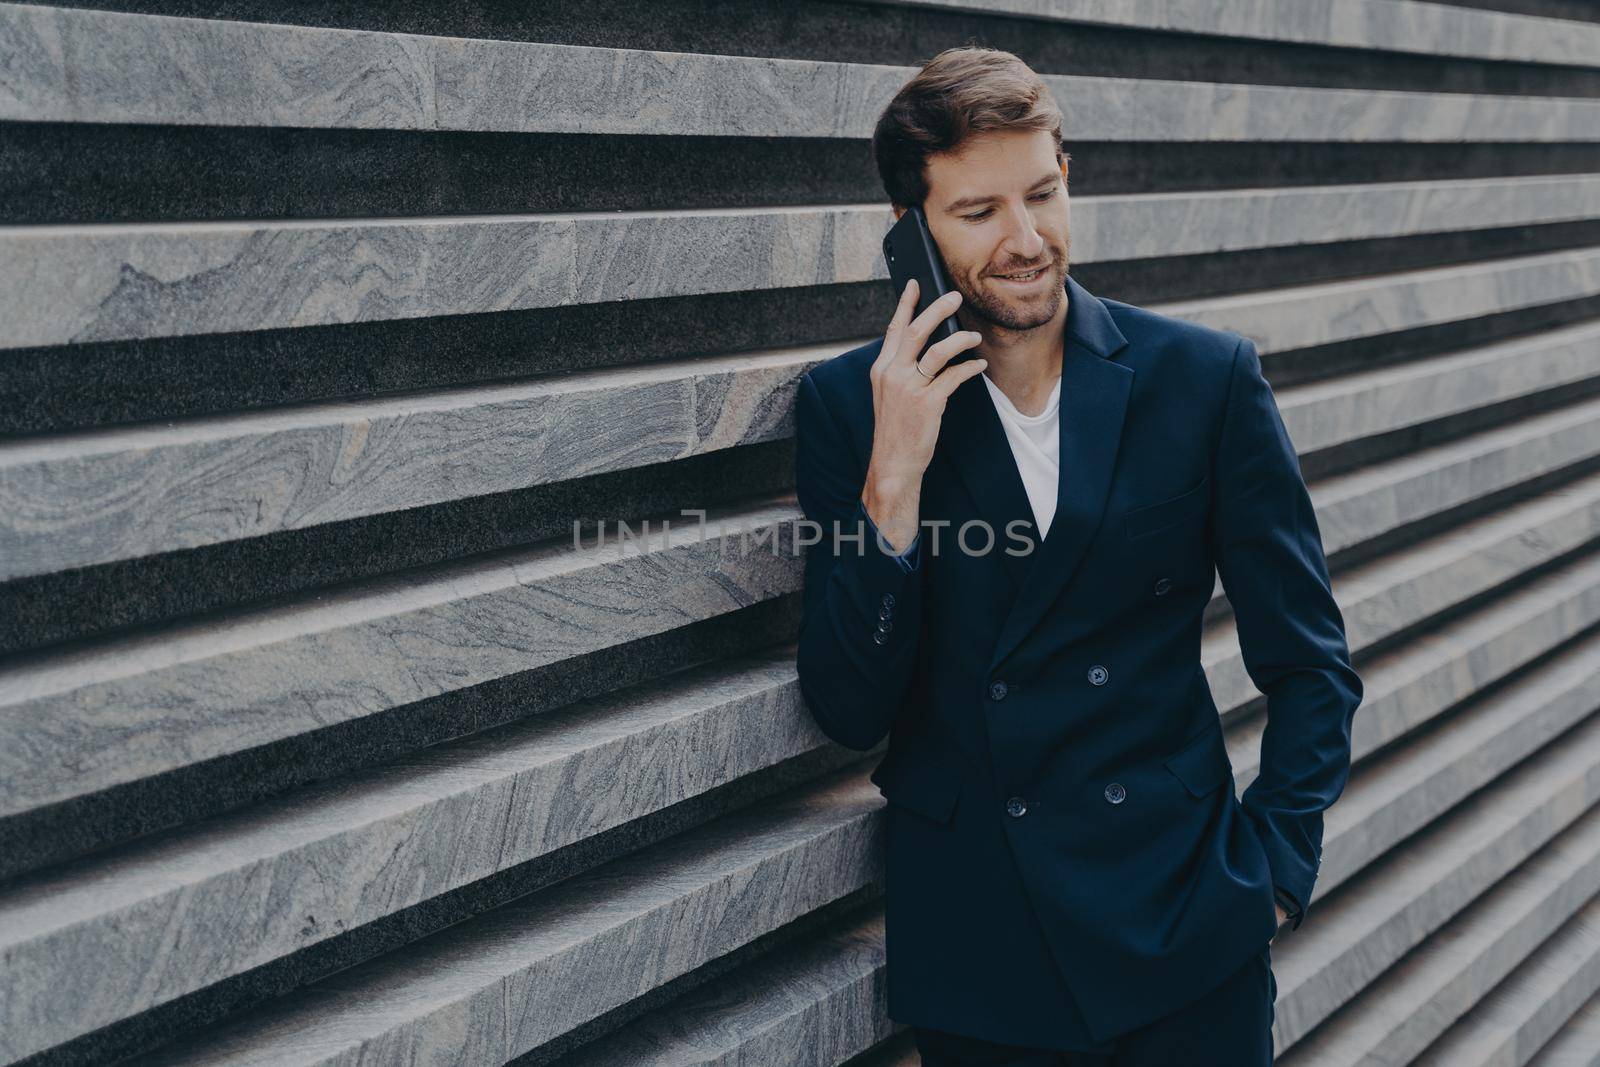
1021 315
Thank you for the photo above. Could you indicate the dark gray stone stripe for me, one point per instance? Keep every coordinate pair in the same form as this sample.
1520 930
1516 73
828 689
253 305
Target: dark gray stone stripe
211 72
62 172
1288 44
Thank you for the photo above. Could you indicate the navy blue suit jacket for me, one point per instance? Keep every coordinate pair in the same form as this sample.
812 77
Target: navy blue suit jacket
1061 814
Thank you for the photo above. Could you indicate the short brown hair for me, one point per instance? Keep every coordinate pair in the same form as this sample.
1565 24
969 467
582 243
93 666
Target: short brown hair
963 90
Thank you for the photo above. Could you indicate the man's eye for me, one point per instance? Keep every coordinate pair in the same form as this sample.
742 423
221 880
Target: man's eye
986 212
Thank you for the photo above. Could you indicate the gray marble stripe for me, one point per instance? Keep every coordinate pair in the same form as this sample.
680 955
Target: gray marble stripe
74 722
1577 1043
490 989
1532 1003
1385 25
90 498
1281 320
1360 406
825 998
102 496
1398 591
366 848
64 284
1142 226
1443 958
73 65
1397 492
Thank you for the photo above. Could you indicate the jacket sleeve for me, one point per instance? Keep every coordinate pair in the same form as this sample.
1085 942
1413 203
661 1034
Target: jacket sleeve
907 559
862 603
1291 635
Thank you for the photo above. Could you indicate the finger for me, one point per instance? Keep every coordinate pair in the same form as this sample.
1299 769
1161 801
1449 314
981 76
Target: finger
898 323
934 359
916 335
950 380
908 303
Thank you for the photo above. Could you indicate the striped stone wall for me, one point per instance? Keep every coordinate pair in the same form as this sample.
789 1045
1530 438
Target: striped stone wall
323 741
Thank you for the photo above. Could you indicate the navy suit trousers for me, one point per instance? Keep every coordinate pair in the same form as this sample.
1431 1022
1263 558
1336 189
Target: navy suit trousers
1230 1026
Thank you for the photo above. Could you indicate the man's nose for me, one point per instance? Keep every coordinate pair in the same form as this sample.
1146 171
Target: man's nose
1022 236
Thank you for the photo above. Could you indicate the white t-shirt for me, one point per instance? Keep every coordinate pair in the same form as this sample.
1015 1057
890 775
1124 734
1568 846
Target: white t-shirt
1036 444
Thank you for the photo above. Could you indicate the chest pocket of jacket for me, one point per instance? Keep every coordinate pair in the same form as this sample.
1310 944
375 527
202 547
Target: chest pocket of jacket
1202 763
1176 512
919 781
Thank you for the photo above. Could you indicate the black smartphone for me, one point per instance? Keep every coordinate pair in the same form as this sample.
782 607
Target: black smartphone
910 252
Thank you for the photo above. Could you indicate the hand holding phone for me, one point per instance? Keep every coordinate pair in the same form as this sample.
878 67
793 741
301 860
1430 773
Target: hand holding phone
911 253
911 383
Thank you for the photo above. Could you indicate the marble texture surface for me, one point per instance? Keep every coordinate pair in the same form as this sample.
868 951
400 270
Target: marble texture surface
81 499
1387 25
1533 1003
75 722
1410 488
1577 1043
1455 963
825 997
490 989
66 284
286 875
1357 406
73 65
1281 320
172 279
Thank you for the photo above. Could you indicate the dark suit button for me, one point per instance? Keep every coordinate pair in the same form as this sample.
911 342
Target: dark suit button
879 636
1115 793
888 600
1098 675
1162 586
885 613
884 626
1016 807
997 691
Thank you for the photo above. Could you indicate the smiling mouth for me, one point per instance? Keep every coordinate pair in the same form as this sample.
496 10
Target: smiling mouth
1028 276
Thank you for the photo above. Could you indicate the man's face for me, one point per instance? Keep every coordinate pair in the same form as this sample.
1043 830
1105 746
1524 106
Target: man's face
1000 207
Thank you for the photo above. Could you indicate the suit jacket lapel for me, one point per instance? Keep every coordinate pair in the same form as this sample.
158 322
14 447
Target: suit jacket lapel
1094 402
974 440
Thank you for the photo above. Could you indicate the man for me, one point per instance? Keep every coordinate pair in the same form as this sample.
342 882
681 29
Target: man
1069 874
